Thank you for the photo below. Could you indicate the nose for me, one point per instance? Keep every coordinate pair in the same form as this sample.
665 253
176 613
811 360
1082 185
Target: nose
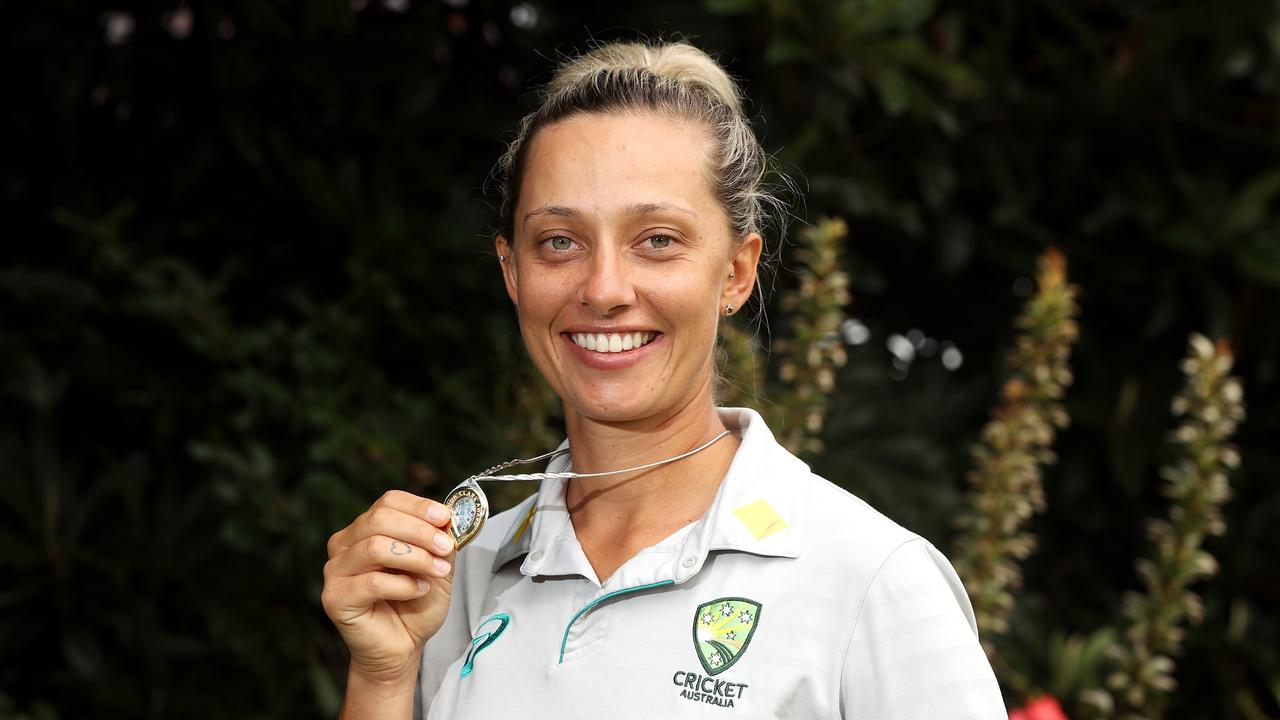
607 287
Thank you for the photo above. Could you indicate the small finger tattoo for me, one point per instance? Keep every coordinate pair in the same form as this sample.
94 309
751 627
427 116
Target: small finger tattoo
399 548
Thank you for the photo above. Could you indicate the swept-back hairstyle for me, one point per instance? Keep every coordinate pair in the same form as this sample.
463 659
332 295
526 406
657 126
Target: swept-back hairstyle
674 79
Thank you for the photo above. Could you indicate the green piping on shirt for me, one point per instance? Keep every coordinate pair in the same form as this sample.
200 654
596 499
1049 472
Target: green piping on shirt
597 601
483 640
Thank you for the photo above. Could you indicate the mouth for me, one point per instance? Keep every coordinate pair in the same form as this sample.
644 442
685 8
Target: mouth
607 343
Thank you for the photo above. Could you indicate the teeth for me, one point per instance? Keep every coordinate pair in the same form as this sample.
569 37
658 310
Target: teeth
612 342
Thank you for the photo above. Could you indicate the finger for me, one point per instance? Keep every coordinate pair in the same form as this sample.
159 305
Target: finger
348 597
383 520
341 540
379 552
430 510
394 523
386 520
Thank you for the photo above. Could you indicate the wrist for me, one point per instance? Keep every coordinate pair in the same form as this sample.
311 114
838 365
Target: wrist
395 687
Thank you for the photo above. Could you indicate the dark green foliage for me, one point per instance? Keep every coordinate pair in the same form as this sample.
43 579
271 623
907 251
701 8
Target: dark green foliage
246 286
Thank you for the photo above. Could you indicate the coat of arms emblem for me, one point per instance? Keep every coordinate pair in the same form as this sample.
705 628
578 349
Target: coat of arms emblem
721 631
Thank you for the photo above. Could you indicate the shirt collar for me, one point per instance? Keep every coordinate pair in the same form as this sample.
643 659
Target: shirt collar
757 509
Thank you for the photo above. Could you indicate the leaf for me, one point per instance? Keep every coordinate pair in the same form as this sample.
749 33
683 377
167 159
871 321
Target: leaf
328 697
783 50
894 88
1186 237
731 7
1251 205
910 14
1258 256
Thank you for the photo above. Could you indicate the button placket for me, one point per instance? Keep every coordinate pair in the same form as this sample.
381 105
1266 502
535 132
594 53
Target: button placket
590 616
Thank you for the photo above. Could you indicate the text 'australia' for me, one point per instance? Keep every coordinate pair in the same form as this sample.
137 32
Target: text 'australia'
708 690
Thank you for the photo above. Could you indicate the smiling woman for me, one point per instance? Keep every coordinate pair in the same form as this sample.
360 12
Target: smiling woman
631 224
638 244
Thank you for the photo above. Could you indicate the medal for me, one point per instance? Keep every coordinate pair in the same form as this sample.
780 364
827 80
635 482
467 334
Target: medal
469 507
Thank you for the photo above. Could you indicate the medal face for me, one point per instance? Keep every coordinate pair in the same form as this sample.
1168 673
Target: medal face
468 508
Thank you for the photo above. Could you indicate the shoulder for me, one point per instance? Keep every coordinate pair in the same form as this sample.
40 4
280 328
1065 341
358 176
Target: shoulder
906 608
836 516
907 600
827 524
845 532
916 614
854 552
891 598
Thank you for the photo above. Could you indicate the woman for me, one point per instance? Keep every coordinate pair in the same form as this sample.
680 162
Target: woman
730 581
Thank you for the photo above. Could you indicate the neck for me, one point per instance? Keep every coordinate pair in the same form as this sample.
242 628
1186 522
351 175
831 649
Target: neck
658 500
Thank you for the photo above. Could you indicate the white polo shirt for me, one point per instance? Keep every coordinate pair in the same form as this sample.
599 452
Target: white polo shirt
790 597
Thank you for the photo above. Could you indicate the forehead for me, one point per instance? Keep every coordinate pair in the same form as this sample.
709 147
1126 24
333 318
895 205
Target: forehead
601 164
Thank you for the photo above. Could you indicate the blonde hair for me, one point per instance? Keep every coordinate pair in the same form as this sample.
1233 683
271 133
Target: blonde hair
675 79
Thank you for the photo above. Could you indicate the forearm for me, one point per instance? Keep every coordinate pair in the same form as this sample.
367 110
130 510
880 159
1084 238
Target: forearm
366 700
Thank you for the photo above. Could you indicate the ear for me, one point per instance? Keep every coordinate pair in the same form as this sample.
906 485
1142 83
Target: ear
508 266
743 264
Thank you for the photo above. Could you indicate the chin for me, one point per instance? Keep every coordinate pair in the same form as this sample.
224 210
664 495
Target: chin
614 409
617 404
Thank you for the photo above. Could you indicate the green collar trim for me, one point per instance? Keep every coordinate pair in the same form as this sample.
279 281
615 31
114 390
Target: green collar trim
564 642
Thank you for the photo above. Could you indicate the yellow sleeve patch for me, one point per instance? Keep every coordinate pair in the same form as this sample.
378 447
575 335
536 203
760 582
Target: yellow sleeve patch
761 519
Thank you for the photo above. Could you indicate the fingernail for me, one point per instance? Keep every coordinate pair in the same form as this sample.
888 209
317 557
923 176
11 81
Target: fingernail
437 514
423 586
443 543
442 566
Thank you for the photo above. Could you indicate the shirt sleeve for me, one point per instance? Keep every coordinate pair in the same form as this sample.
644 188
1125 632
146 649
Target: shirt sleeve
914 650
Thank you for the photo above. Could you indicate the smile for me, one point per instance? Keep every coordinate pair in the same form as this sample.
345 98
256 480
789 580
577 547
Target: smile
612 342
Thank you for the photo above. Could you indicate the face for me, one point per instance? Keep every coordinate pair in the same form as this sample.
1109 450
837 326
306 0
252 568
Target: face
620 264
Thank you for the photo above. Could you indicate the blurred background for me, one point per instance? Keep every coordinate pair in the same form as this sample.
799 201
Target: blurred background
247 285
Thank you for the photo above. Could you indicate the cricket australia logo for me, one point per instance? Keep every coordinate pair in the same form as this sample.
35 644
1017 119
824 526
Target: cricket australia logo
722 629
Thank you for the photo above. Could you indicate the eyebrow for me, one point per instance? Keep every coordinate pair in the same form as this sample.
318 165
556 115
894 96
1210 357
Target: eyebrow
646 208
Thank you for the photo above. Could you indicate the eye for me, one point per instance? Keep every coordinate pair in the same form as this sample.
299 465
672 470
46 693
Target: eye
560 242
658 242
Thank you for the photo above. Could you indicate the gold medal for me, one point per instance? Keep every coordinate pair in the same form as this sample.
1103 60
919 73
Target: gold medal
468 509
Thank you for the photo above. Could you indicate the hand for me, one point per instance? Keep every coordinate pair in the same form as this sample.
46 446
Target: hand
388 582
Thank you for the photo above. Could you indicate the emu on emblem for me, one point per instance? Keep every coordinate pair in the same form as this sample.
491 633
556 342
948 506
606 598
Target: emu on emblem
721 631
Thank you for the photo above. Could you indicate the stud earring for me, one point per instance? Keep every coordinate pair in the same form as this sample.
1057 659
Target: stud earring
728 310
730 276
502 258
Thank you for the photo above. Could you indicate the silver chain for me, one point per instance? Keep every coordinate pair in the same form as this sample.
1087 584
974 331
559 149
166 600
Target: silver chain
488 474
503 466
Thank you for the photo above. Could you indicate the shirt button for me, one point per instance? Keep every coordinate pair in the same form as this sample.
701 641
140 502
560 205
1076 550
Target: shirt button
536 556
689 562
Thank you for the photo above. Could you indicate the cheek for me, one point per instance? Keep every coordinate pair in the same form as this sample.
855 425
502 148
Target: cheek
690 308
539 296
